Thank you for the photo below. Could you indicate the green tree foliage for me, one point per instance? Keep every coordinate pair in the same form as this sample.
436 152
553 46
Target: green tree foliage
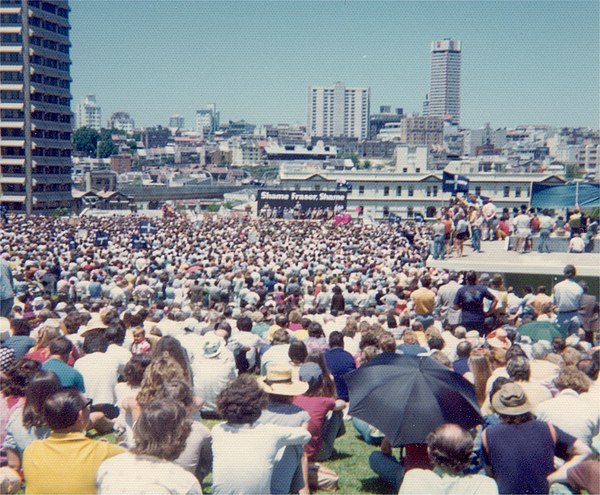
107 148
85 140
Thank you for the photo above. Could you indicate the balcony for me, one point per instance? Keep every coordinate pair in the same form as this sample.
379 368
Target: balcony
50 71
50 143
49 107
49 90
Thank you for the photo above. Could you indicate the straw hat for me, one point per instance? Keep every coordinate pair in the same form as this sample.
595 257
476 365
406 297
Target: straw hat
95 323
278 381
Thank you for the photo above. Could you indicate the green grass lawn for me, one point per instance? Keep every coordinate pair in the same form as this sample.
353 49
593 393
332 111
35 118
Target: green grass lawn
350 462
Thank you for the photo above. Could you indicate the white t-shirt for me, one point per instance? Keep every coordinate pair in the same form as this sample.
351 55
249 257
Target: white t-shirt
129 474
243 455
100 371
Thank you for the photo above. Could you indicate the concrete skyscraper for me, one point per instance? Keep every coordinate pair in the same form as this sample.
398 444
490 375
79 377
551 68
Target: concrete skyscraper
444 83
338 111
89 114
35 108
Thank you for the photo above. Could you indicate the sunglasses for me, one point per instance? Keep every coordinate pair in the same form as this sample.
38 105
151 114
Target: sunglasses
88 403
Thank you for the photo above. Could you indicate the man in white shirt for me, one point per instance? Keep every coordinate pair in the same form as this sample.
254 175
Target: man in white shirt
568 411
576 244
567 296
449 448
99 369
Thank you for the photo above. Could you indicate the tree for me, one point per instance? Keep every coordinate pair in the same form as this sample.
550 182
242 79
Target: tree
367 164
572 171
107 148
355 160
85 140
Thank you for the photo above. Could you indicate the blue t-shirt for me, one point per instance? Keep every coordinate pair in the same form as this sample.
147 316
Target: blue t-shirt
21 344
68 376
522 456
339 363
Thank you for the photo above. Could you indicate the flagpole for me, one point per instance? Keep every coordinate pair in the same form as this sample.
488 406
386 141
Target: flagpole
577 194
530 192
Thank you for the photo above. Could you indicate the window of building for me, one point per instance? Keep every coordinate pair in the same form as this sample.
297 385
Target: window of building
361 189
398 190
478 190
517 192
411 191
317 187
428 191
386 191
386 211
435 190
506 191
410 212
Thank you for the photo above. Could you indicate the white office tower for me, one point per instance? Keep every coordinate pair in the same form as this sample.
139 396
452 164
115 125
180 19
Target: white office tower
338 111
89 114
444 83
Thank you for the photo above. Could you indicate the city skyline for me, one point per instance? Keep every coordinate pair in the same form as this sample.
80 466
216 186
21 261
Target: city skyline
522 62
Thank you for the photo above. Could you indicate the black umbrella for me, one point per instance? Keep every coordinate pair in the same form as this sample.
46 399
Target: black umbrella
406 397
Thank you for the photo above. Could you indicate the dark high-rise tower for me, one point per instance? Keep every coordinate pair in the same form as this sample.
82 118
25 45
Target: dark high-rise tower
35 107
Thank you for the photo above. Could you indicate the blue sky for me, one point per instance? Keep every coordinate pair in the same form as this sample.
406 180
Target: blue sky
523 62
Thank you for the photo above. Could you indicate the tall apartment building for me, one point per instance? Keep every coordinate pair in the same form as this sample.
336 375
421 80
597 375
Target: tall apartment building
121 121
35 108
89 114
421 131
338 111
444 82
208 119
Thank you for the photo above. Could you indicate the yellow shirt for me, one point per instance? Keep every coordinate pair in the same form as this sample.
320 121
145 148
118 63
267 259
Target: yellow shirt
65 463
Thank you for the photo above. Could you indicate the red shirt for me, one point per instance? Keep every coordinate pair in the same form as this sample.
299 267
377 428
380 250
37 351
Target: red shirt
317 408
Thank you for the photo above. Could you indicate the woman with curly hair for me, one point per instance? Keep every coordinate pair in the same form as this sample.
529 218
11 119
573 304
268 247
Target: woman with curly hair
161 370
244 450
160 437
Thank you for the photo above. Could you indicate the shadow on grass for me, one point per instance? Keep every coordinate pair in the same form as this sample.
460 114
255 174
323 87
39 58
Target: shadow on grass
339 455
376 485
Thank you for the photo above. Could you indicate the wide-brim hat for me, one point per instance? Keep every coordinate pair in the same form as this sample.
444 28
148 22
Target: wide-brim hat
211 346
511 400
95 323
278 381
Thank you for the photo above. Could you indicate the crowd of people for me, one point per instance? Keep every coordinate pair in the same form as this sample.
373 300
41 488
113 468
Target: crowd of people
256 322
479 219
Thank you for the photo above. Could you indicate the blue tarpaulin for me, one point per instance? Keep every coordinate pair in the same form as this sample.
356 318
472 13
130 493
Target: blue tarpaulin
584 195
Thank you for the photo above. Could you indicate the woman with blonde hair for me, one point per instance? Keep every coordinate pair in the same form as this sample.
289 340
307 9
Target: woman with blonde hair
161 370
480 370
40 351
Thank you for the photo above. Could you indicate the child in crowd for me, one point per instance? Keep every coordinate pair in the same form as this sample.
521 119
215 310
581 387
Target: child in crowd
140 344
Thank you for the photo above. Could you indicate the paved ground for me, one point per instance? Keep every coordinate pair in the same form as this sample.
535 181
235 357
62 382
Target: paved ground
495 258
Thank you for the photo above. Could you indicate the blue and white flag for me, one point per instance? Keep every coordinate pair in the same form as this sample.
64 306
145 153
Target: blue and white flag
454 183
138 242
147 228
102 239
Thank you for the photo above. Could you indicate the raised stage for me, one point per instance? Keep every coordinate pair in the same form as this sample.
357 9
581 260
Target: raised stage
523 269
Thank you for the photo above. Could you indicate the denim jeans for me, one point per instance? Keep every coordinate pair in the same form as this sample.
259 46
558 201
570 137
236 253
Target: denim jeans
544 237
388 468
439 247
476 238
364 430
569 323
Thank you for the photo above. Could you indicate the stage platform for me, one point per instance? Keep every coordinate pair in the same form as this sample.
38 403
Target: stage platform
495 258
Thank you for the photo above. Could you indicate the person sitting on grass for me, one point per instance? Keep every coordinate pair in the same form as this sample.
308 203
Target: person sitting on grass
160 435
449 448
66 461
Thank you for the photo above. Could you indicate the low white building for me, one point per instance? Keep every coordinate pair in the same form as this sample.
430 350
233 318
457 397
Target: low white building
405 194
